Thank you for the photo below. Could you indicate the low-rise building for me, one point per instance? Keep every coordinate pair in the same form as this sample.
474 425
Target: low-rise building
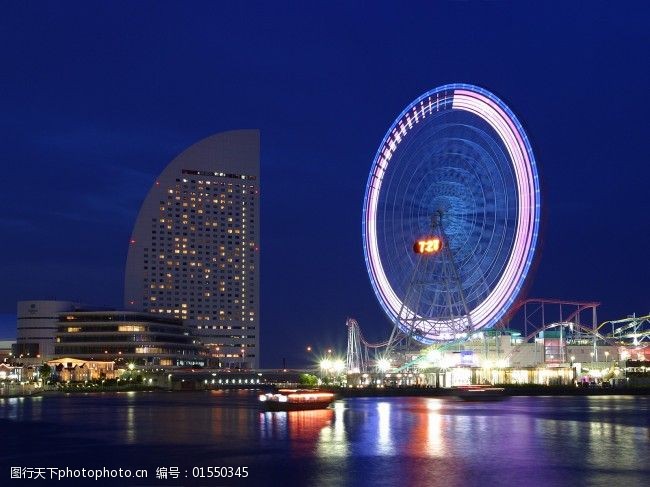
68 369
10 372
143 339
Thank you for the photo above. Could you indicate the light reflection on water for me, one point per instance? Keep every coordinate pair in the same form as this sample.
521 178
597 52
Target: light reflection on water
373 441
384 442
332 441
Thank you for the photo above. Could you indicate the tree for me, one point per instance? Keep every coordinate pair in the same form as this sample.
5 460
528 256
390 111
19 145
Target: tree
308 380
45 371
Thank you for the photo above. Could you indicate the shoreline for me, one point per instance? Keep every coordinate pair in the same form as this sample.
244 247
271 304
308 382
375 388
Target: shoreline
341 392
509 390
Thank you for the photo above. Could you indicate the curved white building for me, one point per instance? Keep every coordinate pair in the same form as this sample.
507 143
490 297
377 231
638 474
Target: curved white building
194 251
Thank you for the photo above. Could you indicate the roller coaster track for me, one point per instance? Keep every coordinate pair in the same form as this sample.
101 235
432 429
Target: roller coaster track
631 331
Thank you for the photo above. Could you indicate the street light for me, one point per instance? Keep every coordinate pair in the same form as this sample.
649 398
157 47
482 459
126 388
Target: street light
325 364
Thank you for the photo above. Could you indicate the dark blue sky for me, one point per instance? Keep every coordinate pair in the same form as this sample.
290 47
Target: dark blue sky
96 98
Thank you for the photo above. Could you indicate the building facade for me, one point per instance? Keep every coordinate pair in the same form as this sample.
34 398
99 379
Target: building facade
37 325
194 250
66 369
144 339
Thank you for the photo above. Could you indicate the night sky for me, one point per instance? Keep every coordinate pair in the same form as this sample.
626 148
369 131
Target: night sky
97 97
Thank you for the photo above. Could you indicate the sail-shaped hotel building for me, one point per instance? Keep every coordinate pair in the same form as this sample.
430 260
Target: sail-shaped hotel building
194 251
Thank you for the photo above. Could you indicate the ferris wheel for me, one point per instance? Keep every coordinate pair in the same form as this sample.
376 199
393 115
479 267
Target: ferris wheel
451 214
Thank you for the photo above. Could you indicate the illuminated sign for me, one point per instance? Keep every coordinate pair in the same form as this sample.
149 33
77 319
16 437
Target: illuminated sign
429 245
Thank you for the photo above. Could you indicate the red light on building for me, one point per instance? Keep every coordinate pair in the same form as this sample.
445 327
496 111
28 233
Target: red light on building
429 245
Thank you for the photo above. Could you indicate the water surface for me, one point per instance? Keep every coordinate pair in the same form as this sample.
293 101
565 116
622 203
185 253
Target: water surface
361 441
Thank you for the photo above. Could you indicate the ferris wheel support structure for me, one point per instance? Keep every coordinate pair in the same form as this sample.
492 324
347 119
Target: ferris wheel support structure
456 314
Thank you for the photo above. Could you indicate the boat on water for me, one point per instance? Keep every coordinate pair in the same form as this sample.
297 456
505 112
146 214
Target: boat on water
481 393
296 400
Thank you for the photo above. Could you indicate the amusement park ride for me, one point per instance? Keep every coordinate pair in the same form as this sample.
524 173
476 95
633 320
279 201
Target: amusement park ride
450 224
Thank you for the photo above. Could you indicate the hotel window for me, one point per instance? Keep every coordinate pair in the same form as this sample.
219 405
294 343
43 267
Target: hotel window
130 328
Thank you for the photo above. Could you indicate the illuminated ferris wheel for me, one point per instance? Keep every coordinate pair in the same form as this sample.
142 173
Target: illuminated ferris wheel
451 214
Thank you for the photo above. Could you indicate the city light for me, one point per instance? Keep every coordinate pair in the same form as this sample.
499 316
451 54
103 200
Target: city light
383 365
338 366
335 366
